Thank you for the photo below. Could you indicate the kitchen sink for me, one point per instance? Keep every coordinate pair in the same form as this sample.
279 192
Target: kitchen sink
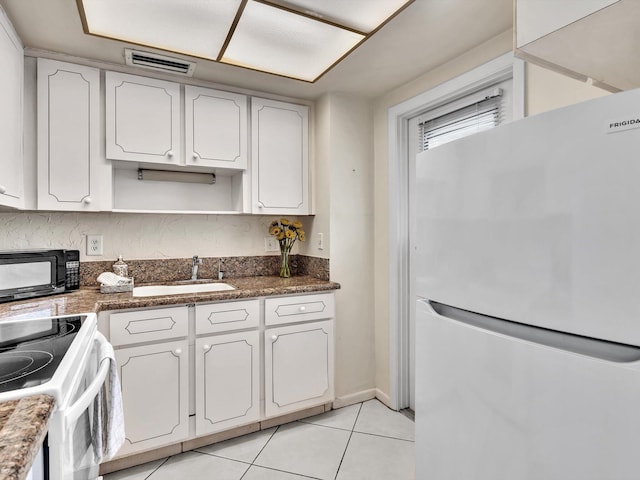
156 290
193 282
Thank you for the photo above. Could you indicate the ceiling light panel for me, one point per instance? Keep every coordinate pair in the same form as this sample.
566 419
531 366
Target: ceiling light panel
193 27
278 41
362 15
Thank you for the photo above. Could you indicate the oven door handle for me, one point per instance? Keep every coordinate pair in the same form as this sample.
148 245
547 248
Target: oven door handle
74 411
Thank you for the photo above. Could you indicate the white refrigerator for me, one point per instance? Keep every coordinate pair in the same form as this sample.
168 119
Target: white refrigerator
528 310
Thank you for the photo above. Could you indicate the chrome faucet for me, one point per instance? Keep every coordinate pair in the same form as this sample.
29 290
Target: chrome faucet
194 267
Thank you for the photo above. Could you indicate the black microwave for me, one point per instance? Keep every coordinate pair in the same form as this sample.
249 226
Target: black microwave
34 273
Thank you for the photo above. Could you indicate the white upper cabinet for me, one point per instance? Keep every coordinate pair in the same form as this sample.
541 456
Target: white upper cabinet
538 18
11 99
280 157
70 170
586 39
215 128
142 119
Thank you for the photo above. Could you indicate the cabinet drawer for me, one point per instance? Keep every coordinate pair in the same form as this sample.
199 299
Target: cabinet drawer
148 325
298 308
222 317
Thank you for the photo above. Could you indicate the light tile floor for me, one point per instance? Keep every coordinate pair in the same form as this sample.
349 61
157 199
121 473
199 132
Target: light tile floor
358 442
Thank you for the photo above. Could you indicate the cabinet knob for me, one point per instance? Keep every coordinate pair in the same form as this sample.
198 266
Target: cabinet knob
206 347
260 206
195 157
302 308
170 154
178 351
86 200
274 338
3 189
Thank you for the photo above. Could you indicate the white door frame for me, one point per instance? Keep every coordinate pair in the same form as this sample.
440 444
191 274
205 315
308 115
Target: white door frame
501 68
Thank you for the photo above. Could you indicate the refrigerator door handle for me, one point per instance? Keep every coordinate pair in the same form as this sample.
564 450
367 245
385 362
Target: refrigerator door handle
591 347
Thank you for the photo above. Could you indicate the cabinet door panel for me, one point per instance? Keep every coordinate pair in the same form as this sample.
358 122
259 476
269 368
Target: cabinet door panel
68 133
298 367
227 381
155 389
280 157
215 128
11 91
143 119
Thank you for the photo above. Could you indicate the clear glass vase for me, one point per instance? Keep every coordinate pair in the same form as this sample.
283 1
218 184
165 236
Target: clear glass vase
285 269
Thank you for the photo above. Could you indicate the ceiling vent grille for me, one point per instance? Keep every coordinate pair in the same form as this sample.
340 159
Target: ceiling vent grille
162 63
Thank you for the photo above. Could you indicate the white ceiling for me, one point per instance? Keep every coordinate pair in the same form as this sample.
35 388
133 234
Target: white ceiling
426 34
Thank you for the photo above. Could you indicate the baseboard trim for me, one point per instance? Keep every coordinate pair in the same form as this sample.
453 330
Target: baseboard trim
353 398
121 463
384 398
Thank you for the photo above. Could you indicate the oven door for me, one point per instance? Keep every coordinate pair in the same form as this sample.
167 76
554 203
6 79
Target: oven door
74 430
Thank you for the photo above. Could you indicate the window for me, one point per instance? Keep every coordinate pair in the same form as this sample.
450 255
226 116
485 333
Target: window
463 116
473 118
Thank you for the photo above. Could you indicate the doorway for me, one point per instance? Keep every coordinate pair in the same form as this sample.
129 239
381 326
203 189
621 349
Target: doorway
404 144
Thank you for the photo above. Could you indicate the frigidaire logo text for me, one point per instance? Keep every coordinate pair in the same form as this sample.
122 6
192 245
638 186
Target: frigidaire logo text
624 123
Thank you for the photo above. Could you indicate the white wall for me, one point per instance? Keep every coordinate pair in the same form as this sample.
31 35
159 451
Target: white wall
344 214
350 154
139 236
547 90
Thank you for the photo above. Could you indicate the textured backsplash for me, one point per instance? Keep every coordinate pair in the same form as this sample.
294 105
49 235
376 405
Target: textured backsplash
148 236
176 269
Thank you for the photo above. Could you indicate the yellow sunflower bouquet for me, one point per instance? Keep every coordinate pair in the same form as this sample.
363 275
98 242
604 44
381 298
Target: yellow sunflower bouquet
286 232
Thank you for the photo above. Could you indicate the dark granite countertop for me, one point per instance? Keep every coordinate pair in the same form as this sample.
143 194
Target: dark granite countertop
91 300
23 423
23 426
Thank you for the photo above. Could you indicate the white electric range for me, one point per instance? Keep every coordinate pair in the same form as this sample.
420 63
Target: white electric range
63 357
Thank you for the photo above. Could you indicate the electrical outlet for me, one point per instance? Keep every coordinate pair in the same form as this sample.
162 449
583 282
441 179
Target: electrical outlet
321 241
94 245
271 244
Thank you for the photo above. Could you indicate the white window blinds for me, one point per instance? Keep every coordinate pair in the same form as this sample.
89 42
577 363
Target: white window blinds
476 117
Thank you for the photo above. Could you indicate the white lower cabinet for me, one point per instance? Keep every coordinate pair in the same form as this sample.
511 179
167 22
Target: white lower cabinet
298 367
154 376
227 381
215 352
155 386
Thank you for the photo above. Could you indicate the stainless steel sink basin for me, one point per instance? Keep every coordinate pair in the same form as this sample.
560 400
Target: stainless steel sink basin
157 290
